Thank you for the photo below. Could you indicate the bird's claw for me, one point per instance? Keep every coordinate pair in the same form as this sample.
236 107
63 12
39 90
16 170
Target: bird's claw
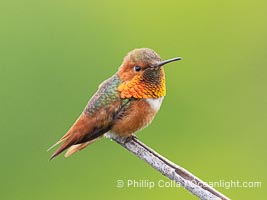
129 138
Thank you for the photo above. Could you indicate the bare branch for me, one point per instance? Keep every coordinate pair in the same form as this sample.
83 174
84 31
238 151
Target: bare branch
170 169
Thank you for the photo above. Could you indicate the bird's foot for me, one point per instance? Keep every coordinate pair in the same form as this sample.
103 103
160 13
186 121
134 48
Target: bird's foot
129 138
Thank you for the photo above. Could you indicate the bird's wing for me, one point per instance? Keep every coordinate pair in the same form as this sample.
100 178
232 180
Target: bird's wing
97 118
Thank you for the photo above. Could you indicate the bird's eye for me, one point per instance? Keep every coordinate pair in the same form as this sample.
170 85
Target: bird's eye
137 68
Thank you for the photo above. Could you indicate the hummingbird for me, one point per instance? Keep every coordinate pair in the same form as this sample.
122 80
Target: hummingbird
123 104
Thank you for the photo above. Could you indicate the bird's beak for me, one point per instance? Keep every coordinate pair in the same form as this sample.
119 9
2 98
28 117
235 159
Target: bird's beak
167 61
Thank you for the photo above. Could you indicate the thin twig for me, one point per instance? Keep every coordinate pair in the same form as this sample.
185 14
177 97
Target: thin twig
170 169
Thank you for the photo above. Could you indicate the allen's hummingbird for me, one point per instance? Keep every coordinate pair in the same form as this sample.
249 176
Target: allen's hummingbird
123 104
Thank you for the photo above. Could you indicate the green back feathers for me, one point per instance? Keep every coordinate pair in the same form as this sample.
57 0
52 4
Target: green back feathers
106 95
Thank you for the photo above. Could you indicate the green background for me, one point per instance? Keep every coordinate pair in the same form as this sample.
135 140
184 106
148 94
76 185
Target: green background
53 55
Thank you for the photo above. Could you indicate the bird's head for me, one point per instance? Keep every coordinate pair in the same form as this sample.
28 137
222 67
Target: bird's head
142 74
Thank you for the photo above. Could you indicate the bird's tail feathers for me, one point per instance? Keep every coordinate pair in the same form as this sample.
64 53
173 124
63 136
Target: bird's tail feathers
53 146
77 147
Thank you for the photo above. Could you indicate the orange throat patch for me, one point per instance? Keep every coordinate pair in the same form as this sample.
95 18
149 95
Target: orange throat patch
139 88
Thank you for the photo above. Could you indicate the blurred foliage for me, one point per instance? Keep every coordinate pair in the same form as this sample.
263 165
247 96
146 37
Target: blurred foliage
53 55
